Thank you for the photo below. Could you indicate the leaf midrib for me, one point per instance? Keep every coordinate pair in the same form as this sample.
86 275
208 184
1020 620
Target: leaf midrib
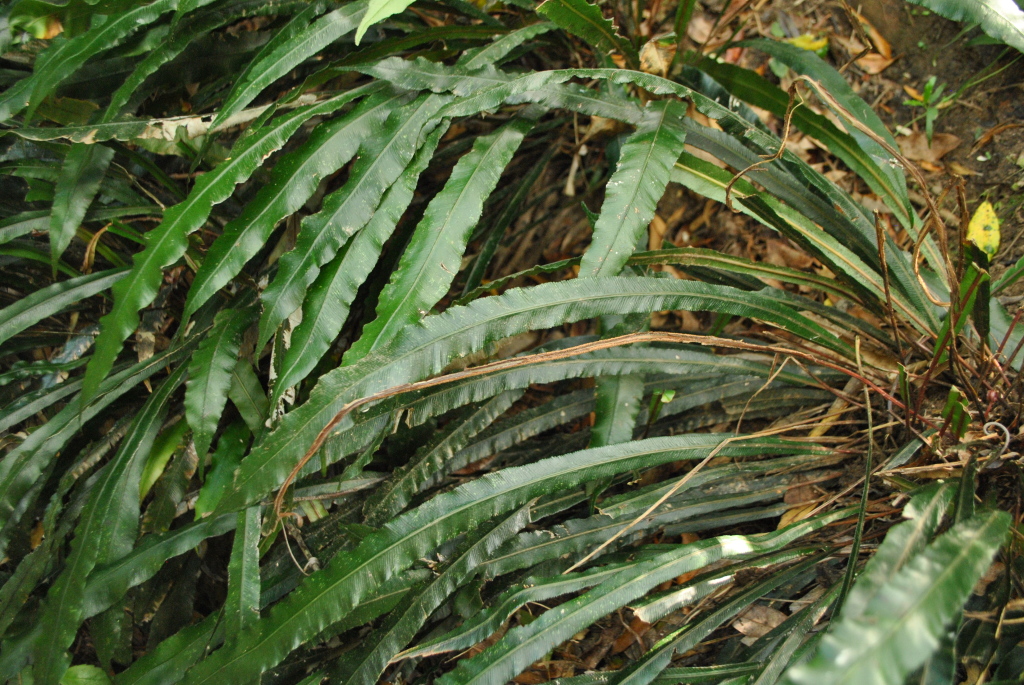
298 431
936 586
415 531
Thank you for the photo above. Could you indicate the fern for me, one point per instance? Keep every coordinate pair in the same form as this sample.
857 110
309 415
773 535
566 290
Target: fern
305 343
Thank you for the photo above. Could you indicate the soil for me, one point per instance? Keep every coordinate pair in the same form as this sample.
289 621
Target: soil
930 45
927 45
923 45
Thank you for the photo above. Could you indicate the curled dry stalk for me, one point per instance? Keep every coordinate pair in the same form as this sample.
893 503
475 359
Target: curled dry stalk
880 238
555 355
933 222
854 19
680 483
790 107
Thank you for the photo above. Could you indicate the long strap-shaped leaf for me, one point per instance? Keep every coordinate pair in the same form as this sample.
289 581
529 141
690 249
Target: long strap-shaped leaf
242 605
582 19
925 510
639 181
434 253
790 648
497 49
61 60
58 521
170 659
806 62
433 461
190 29
365 667
700 369
902 624
79 180
691 675
525 425
710 181
286 53
426 349
35 307
691 364
654 662
350 579
478 626
794 181
577 536
167 242
331 295
209 375
292 182
24 464
1002 19
616 406
691 256
757 90
106 532
378 11
385 154
110 582
737 477
523 645
487 89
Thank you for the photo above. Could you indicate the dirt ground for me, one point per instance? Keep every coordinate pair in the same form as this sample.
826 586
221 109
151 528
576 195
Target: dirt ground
979 132
931 45
925 45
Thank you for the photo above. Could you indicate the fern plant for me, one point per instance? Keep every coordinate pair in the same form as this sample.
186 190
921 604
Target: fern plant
267 419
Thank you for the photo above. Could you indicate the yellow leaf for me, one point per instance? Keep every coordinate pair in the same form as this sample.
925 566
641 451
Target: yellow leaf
983 230
656 57
808 42
796 514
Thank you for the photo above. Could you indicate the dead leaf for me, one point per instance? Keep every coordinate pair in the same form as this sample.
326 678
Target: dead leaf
836 175
799 494
632 635
915 146
993 572
601 128
145 344
656 233
795 514
699 29
36 536
879 41
988 135
757 621
656 57
960 170
780 254
52 28
874 63
814 594
914 93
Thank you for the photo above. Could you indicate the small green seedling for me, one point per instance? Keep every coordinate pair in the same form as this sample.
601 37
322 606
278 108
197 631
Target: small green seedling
955 413
932 101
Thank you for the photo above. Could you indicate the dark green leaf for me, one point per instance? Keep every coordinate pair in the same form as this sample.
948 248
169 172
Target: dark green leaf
79 180
901 625
210 372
